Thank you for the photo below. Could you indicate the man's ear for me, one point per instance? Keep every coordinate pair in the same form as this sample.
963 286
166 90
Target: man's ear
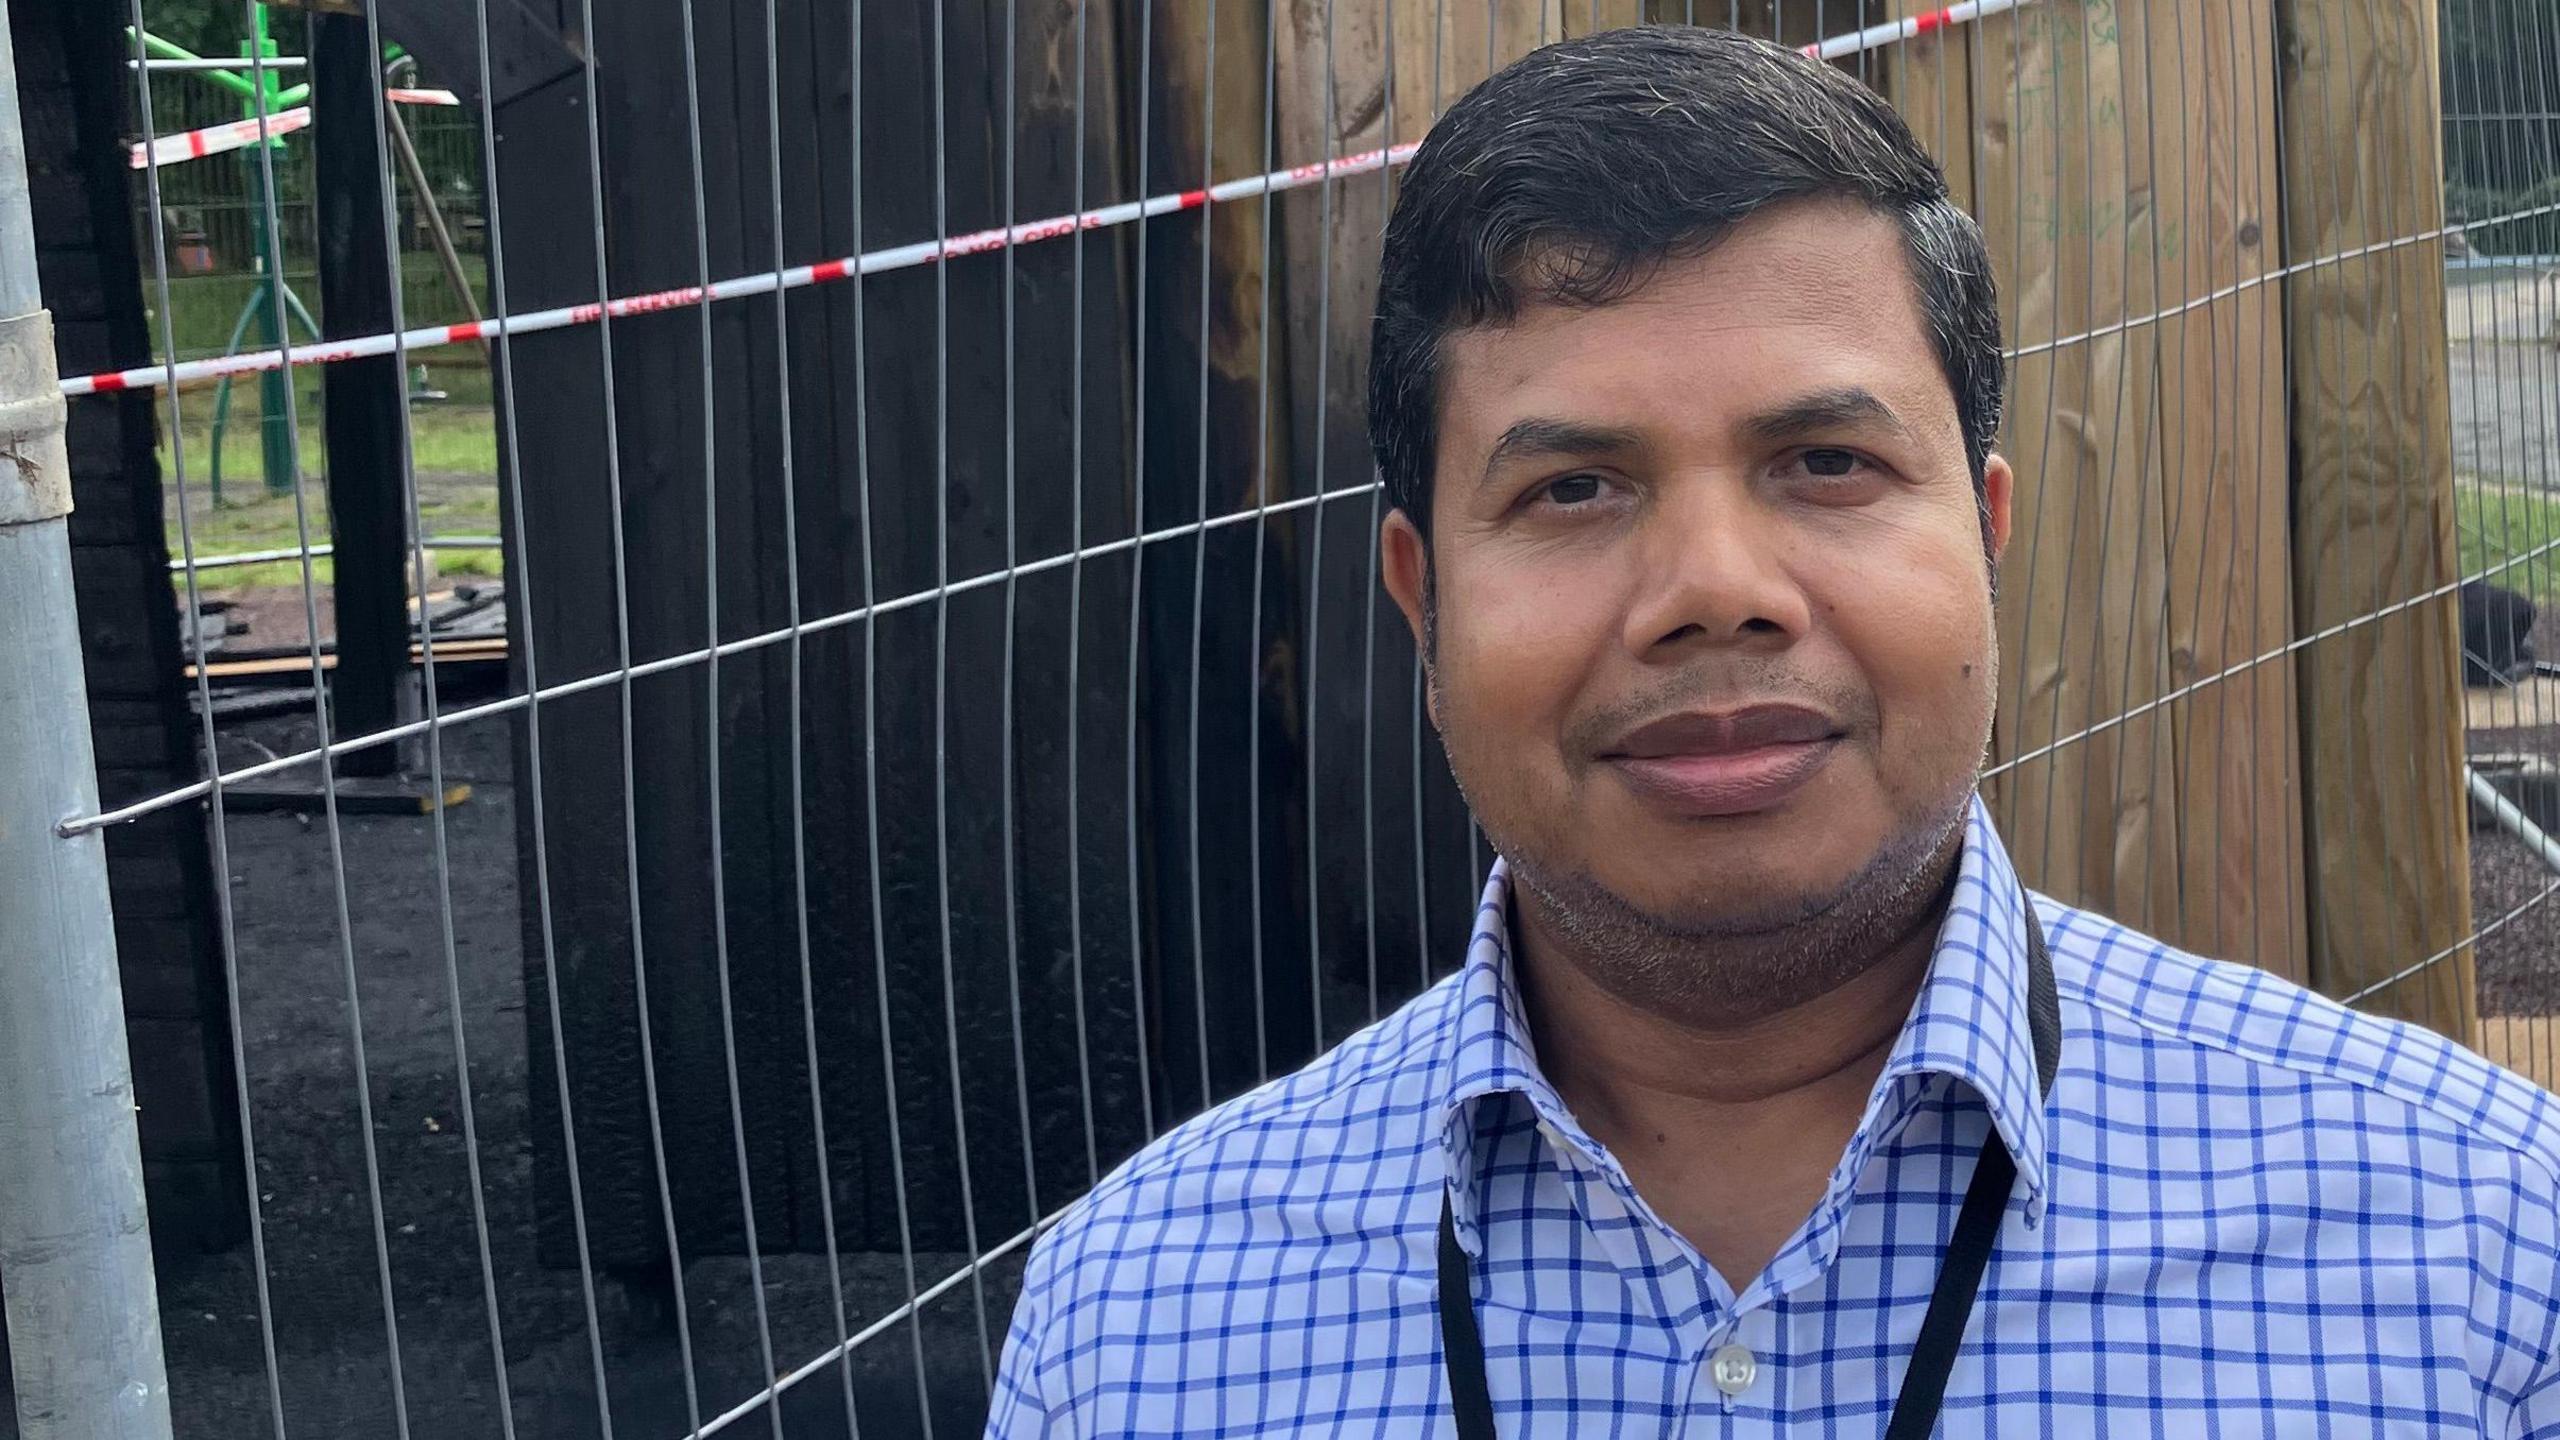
1404 564
1999 483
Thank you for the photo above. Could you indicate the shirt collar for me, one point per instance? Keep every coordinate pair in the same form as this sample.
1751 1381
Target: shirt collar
1969 1023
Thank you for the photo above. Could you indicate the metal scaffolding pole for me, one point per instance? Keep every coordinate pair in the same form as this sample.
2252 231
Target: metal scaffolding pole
75 1243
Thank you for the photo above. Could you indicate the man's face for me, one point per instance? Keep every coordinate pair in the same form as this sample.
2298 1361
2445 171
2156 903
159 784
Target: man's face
1714 629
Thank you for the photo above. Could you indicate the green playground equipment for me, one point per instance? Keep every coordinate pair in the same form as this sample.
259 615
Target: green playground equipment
272 308
272 297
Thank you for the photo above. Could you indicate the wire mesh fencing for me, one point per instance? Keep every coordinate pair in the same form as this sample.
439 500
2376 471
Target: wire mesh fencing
853 692
2502 156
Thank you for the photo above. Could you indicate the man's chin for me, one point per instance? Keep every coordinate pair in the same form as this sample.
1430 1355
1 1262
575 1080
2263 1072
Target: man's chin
1739 876
1742 913
1720 901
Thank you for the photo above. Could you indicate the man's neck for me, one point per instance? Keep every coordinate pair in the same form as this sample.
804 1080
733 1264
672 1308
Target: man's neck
1729 1131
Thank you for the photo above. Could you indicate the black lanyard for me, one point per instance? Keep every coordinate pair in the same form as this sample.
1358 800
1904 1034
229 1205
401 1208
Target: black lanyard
1924 1385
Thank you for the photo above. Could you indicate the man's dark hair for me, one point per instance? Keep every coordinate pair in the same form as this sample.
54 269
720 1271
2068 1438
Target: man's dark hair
1571 174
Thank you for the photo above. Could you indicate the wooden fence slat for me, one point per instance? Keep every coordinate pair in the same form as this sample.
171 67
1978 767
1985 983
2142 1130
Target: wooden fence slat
2239 820
1930 79
2054 181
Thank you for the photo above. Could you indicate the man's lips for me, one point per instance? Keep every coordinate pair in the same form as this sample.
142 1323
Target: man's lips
1725 762
1721 732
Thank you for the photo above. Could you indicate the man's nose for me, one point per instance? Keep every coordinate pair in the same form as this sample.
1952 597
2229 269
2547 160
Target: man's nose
1714 571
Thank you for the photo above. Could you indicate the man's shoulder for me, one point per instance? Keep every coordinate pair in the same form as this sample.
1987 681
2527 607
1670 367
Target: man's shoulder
2281 1040
1360 1118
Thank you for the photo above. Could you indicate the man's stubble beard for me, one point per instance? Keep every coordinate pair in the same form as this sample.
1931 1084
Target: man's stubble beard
1734 971
1726 974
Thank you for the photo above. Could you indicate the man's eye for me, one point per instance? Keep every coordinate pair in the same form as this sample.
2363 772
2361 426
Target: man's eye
1830 464
1574 490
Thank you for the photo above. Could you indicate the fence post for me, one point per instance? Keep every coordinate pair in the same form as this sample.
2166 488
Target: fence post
2387 832
75 1244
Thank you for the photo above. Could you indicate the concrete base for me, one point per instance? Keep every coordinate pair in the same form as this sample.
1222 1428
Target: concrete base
2530 782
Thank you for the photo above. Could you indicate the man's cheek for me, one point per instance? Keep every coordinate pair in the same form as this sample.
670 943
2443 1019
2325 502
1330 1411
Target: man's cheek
1518 660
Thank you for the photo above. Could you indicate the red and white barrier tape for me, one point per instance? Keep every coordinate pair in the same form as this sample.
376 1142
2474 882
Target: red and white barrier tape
1894 32
896 257
216 139
235 134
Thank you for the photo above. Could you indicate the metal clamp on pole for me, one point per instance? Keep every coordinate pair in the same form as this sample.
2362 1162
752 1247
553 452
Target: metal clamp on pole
75 1240
35 472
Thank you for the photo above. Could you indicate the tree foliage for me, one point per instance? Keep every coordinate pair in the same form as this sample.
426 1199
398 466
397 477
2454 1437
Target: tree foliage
2501 86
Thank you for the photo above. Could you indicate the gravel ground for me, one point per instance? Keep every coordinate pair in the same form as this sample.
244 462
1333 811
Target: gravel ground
2519 962
323 1265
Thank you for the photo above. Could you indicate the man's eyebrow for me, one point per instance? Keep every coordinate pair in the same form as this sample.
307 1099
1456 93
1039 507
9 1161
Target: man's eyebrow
1824 410
1541 436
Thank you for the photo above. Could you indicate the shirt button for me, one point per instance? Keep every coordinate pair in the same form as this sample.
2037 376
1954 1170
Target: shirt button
1733 1369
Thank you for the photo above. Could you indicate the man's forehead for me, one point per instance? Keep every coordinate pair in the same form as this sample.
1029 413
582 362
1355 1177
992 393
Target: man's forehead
1804 298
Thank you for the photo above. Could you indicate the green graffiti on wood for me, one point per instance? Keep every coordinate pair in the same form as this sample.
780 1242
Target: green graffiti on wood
2101 221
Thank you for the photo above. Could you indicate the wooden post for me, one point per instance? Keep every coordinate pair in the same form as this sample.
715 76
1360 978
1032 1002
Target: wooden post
1436 53
2239 823
2373 508
368 488
1585 17
1930 79
2062 178
1443 49
1225 878
2116 154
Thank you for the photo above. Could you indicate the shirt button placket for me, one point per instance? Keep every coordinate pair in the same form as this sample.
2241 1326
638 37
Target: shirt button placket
1733 1368
1729 1368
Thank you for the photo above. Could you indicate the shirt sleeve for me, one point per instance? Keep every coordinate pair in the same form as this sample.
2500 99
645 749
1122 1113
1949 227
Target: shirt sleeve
2522 1293
1019 1409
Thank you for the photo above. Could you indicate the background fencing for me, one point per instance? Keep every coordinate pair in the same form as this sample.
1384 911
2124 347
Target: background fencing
831 751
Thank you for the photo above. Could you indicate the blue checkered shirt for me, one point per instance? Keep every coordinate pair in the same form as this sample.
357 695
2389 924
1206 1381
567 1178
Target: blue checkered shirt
2243 1211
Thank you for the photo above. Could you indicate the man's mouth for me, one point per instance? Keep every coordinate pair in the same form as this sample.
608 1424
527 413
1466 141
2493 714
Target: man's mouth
1725 762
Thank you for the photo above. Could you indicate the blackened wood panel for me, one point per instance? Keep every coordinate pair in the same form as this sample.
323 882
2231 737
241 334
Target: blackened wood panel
897 408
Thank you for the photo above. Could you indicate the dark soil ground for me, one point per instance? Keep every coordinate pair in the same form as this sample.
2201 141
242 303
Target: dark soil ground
323 1264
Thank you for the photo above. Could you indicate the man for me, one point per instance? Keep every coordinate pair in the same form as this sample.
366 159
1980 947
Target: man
1766 1103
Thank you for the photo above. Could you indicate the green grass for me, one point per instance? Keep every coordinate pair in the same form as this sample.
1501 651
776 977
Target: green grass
250 519
287 574
453 442
2496 524
452 437
454 434
203 308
